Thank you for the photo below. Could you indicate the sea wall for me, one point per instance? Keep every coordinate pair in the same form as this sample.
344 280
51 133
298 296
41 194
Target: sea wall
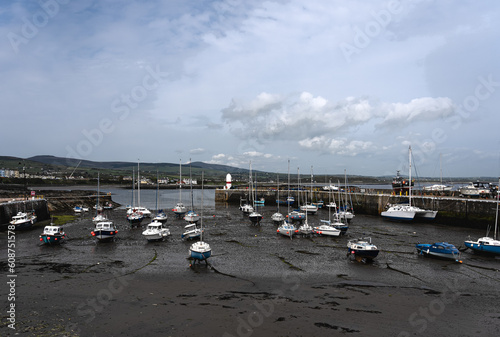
8 209
455 211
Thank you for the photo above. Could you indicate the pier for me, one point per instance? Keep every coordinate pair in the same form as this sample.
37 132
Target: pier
454 211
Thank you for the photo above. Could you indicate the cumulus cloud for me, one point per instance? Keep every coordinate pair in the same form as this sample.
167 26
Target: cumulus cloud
336 146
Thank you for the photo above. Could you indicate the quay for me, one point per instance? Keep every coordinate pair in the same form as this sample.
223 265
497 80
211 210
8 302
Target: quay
452 210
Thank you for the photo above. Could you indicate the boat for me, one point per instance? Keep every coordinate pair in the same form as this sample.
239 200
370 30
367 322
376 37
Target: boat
327 230
305 229
255 217
191 216
191 231
346 212
336 222
156 231
309 208
140 209
487 245
78 209
278 217
246 208
135 218
105 231
362 249
52 234
179 208
401 185
200 250
478 189
161 216
438 187
287 229
406 211
441 250
23 220
297 215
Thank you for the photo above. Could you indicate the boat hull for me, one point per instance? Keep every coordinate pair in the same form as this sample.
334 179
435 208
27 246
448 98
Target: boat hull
52 239
364 254
483 248
104 235
446 252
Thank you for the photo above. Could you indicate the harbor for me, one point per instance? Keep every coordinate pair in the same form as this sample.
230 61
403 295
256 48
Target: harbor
256 282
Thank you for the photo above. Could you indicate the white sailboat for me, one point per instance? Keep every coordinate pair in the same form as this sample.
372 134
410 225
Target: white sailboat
408 212
309 208
139 209
255 217
179 208
487 245
191 216
278 217
201 250
160 216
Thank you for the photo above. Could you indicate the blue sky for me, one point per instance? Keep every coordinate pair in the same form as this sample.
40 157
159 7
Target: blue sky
330 84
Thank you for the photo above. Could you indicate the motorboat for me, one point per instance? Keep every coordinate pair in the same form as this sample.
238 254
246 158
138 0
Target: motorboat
442 250
343 227
156 231
362 249
478 189
23 220
52 234
105 231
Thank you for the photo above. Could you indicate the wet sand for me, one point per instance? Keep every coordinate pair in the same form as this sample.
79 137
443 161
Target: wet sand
257 283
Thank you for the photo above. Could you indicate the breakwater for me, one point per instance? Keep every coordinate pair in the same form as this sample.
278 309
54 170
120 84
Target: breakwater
456 211
9 209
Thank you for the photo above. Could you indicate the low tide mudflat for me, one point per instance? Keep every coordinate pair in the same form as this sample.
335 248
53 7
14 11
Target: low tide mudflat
257 283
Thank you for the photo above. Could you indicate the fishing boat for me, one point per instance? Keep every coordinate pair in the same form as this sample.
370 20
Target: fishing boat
156 231
191 216
362 249
401 185
52 235
441 250
407 212
23 220
487 245
179 208
200 251
105 231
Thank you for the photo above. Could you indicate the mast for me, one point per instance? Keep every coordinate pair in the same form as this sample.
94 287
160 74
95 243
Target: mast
138 186
157 188
409 169
201 213
191 184
496 217
180 180
97 202
133 188
288 194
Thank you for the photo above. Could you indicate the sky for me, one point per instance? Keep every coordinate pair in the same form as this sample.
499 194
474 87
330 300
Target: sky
331 86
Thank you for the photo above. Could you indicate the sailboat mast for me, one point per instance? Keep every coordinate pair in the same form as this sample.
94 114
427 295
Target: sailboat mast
157 188
409 169
180 180
496 217
288 194
201 213
191 185
97 202
138 186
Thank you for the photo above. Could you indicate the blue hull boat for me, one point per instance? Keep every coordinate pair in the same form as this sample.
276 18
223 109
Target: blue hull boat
441 250
484 245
